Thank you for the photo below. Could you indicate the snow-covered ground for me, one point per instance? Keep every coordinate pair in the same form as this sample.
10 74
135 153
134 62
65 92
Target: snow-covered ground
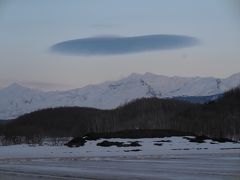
149 146
176 158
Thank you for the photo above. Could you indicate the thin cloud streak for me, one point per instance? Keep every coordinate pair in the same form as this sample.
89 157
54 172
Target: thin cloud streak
111 45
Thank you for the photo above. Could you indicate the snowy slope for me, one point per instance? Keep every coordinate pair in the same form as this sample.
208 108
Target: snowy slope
16 100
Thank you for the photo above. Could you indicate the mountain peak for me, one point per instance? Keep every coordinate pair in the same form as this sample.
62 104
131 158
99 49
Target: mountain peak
15 87
134 75
236 75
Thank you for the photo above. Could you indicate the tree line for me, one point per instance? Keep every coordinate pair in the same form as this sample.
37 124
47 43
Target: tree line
216 119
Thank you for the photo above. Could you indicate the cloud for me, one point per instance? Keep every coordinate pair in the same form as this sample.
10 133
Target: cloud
111 45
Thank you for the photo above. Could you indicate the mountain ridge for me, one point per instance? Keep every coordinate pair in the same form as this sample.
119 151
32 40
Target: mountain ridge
16 100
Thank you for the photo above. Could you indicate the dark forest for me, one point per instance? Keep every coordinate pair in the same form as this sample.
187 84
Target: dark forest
216 119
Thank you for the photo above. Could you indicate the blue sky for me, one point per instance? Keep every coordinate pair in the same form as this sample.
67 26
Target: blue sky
30 27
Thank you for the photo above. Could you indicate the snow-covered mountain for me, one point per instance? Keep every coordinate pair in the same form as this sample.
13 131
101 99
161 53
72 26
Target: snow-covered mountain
16 100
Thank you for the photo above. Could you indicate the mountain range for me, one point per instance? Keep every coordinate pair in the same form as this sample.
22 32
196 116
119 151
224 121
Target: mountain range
16 100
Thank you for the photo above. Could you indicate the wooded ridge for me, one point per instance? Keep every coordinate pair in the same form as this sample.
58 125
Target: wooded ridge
216 119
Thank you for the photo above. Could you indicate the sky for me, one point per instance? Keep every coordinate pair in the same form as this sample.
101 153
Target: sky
110 39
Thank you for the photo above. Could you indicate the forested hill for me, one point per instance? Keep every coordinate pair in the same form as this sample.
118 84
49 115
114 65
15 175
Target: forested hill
220 118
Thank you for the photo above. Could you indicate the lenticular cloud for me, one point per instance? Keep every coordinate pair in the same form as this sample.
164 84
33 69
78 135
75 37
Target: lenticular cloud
123 45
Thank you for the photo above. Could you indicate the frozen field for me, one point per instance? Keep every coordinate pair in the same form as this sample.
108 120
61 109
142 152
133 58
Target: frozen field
156 158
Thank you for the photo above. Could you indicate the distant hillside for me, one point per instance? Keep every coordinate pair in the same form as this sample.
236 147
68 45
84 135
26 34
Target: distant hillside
198 99
217 119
